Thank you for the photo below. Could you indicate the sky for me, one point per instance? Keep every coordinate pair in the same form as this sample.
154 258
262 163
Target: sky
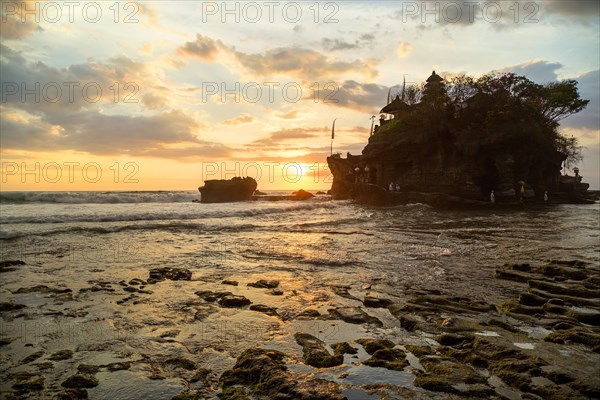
161 95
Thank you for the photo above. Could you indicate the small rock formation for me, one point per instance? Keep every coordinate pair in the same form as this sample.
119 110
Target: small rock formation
315 353
264 284
174 274
232 301
264 374
353 315
302 195
224 191
80 382
298 195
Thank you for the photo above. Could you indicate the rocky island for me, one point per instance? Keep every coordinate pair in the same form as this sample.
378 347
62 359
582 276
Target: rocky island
226 190
464 142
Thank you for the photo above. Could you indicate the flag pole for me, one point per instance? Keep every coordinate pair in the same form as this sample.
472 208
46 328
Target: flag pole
332 135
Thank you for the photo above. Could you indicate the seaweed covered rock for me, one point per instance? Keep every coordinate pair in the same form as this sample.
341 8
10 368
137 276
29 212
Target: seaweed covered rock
264 374
315 353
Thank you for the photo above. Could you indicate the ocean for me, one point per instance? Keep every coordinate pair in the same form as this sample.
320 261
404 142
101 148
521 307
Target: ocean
81 250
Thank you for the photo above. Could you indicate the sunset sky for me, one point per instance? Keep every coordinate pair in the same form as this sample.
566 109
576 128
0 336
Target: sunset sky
189 93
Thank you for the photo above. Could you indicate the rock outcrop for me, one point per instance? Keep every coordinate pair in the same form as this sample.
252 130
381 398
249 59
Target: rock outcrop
447 151
223 191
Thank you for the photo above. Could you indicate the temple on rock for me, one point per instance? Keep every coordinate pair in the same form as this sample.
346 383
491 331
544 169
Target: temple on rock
465 140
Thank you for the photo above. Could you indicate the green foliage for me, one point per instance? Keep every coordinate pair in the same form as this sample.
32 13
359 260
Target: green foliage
495 111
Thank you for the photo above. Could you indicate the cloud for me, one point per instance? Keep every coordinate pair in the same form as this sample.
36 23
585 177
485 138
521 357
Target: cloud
240 120
364 97
497 14
13 27
539 71
154 101
573 10
171 134
404 49
203 48
288 115
302 63
336 44
589 117
287 134
76 123
296 62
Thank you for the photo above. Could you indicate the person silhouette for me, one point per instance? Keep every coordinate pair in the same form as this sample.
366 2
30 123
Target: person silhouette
492 197
546 196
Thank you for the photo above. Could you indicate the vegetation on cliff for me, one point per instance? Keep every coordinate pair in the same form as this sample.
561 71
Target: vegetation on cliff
467 136
494 111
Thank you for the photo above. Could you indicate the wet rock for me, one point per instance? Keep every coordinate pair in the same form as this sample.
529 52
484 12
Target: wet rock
232 283
309 313
315 353
264 284
420 351
559 377
514 379
372 345
450 339
574 290
42 289
342 291
200 375
343 348
511 276
264 309
61 355
446 377
71 394
353 315
375 302
408 323
25 386
32 357
80 382
174 274
521 267
578 301
210 296
264 374
529 299
504 325
516 308
10 265
394 359
232 301
575 336
88 369
553 271
11 307
180 362
118 366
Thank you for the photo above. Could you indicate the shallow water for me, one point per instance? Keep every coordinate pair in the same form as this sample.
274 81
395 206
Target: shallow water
75 240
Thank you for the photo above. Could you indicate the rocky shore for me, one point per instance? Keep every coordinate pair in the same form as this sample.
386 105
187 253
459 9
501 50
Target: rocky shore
514 331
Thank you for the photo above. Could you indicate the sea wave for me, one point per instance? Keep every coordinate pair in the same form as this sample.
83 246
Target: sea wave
98 197
195 212
95 229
